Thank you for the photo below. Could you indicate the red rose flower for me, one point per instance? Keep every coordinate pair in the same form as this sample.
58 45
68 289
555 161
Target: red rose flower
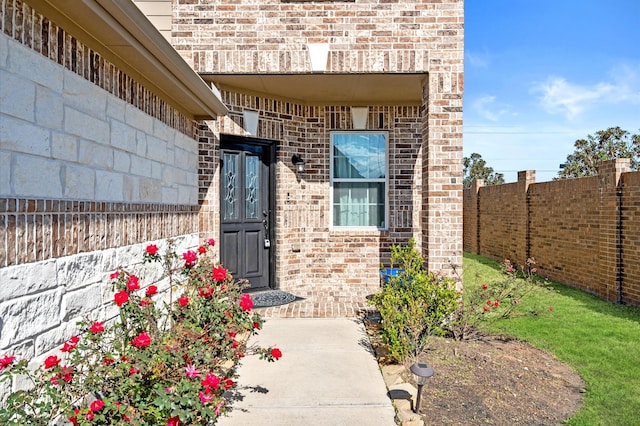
89 416
219 274
276 353
141 340
489 302
550 308
151 290
484 286
202 249
51 361
183 301
245 302
486 309
256 325
205 292
121 298
190 258
496 303
96 405
211 242
205 397
96 327
228 384
152 249
211 381
115 275
67 347
145 302
173 421
108 361
6 360
66 373
133 283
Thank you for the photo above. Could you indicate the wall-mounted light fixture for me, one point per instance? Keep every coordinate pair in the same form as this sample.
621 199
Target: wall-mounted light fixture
250 121
298 162
359 116
318 54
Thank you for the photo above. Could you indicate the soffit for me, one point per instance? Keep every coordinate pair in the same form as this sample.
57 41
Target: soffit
328 88
123 35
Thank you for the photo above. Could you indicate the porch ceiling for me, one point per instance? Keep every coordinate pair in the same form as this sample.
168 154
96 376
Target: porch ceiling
326 88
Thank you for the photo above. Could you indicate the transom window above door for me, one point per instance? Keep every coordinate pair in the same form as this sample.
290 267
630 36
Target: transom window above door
359 179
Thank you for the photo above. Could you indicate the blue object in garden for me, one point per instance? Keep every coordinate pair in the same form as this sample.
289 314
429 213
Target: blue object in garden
387 273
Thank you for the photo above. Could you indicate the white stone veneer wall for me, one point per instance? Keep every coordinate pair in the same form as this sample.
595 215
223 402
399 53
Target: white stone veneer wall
62 137
41 302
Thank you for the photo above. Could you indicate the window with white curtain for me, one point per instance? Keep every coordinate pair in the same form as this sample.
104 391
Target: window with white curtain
359 179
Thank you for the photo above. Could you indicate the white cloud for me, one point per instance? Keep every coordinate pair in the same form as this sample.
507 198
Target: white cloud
478 60
559 96
487 108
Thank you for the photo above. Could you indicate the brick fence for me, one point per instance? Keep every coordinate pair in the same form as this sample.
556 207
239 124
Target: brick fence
582 232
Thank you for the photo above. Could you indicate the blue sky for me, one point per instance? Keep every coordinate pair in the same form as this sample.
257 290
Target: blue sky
540 74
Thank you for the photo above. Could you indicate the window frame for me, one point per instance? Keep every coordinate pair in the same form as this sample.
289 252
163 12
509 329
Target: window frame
332 179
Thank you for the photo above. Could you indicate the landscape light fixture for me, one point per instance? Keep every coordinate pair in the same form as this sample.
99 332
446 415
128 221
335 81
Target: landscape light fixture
421 372
298 162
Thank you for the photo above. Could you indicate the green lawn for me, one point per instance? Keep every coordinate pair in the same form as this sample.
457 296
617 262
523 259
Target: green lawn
600 340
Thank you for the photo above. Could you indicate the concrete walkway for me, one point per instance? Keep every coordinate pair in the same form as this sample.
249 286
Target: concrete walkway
326 376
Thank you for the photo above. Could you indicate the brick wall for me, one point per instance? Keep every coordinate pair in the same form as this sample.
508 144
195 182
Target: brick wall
470 220
630 256
364 36
332 265
565 230
582 232
271 36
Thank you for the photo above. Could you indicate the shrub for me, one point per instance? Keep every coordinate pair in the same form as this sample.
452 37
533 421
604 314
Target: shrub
484 304
414 305
156 364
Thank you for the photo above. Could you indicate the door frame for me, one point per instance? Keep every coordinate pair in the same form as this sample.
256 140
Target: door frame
229 140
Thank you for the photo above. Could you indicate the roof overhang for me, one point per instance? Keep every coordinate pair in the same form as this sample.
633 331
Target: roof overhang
328 88
123 35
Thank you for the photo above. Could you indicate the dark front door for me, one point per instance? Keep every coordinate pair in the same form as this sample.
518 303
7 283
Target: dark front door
246 208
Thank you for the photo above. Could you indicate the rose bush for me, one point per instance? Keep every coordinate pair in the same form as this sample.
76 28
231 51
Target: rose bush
483 305
157 363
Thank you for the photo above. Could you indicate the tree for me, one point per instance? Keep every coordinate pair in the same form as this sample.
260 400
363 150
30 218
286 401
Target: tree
474 167
602 146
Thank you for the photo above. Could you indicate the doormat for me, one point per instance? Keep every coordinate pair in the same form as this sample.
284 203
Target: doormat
268 298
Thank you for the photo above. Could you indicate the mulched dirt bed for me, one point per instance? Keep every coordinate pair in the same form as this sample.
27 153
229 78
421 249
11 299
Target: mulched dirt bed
497 382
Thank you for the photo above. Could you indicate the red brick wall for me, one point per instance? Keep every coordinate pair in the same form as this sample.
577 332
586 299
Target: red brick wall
471 217
630 241
502 223
582 232
565 231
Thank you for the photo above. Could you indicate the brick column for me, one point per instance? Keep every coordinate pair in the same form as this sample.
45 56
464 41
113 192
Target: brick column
442 171
525 178
471 218
610 255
